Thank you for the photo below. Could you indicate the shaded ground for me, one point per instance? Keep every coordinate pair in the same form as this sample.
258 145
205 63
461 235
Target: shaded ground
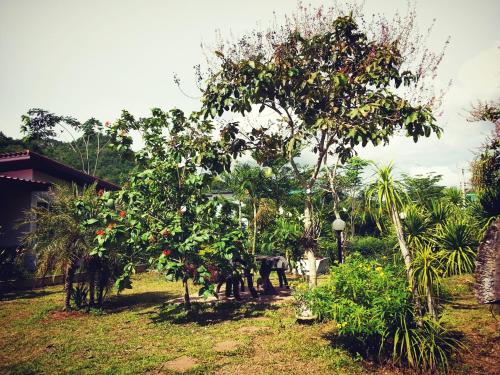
140 333
481 330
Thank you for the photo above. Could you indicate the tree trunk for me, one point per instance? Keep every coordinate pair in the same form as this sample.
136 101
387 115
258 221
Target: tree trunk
91 289
407 259
239 214
430 299
309 252
102 283
254 238
68 283
92 265
187 301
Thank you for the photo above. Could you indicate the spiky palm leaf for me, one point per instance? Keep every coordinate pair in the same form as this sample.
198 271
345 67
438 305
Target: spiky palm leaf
387 192
457 241
439 212
417 227
57 238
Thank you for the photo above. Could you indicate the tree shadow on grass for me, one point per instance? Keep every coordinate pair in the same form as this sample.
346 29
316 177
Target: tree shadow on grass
205 314
135 301
464 306
366 347
25 294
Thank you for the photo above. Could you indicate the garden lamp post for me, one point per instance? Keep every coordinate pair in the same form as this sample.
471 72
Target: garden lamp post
338 226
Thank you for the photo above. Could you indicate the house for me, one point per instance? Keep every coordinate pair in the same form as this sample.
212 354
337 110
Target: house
25 181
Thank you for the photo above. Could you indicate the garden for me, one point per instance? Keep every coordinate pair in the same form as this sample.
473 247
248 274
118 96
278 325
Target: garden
225 252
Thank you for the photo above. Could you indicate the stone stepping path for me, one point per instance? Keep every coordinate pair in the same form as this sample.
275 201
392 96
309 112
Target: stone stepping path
227 346
181 364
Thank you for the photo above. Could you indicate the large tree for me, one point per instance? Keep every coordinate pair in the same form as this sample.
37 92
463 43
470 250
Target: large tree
330 90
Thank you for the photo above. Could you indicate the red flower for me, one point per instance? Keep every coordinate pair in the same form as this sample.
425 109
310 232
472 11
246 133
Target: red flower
167 252
111 225
123 214
100 192
106 123
100 232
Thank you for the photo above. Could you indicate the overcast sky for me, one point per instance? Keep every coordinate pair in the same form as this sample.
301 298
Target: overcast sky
95 58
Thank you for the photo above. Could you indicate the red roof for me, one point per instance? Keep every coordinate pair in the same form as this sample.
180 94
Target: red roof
31 160
9 180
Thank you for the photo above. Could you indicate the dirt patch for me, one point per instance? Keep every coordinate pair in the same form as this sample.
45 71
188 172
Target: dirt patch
180 364
227 346
61 315
483 357
251 329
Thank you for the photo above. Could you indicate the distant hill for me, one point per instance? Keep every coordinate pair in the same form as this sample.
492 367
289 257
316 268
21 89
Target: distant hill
112 167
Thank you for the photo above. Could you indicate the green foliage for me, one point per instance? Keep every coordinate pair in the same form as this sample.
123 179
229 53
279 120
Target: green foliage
454 196
365 298
386 193
372 246
59 238
111 166
79 295
427 269
486 177
371 305
286 237
438 212
169 215
422 190
457 240
335 82
417 226
425 348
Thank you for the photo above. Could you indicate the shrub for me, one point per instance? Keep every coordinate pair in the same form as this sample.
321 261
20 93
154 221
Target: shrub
457 242
364 298
426 347
371 305
371 246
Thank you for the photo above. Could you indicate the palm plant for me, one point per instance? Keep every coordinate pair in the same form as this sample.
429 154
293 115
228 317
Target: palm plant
390 197
438 212
427 347
58 239
417 227
454 196
427 274
456 240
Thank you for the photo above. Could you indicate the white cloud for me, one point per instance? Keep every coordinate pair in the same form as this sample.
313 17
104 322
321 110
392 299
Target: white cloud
477 78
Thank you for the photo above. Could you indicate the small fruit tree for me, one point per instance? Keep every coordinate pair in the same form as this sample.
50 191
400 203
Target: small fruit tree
170 216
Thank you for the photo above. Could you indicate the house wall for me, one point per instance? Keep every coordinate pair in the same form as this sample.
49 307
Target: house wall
13 203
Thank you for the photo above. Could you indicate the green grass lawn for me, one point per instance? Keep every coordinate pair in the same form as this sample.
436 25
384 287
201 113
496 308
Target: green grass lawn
138 333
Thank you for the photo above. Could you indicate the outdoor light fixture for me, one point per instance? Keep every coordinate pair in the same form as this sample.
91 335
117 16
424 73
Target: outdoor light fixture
338 226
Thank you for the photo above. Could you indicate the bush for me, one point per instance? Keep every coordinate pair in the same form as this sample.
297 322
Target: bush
371 246
371 305
366 300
